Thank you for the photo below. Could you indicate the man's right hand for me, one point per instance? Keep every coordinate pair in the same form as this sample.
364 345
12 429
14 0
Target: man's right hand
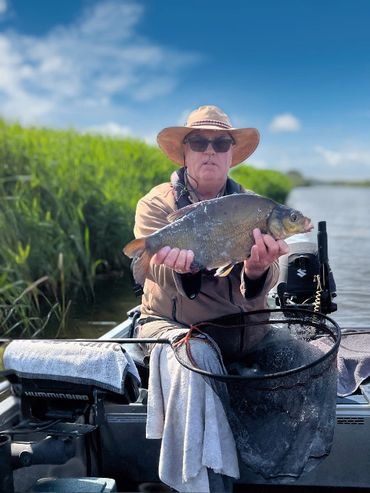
178 260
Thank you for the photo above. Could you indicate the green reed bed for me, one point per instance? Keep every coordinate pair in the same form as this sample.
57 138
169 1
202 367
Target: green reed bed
67 205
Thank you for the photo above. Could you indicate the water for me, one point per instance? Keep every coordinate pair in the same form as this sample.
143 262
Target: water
114 298
346 212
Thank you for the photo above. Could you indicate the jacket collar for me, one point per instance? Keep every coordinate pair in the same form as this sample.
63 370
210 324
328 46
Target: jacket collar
181 193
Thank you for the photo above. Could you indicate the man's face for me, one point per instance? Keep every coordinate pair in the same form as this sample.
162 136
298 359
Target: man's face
209 166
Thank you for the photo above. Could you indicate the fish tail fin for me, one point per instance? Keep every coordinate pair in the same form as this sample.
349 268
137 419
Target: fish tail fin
140 265
135 248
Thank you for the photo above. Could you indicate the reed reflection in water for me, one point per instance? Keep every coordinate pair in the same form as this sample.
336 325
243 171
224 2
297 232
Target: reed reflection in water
114 298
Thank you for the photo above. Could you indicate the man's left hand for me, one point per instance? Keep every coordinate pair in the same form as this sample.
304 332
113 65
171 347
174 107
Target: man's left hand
263 253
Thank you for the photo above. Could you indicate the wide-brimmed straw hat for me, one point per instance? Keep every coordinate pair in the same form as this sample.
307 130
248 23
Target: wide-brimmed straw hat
171 139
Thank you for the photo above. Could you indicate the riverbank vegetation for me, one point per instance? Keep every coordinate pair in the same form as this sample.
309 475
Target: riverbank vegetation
266 182
67 205
298 180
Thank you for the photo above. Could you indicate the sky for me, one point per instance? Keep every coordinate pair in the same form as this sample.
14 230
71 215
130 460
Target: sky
298 70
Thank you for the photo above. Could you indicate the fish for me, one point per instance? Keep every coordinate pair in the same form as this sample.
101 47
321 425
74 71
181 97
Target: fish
219 231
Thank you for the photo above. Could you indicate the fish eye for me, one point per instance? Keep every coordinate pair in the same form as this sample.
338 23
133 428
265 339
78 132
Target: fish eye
293 216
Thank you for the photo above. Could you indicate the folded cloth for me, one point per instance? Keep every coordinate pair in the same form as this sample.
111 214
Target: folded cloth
185 412
94 363
353 362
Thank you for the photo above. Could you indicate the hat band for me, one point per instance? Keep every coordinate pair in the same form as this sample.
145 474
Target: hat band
216 123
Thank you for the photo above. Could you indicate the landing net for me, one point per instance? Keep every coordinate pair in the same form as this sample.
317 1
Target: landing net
277 383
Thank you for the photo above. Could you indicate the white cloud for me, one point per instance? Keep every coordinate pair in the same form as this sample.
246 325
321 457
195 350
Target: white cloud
286 122
156 86
344 157
110 128
85 69
151 138
3 6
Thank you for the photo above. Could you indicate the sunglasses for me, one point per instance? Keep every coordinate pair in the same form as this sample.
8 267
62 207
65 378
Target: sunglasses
200 144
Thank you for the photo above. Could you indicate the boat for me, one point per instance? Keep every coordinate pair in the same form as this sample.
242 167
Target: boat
63 436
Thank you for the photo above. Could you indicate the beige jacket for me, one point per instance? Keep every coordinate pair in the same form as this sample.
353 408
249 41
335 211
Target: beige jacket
163 290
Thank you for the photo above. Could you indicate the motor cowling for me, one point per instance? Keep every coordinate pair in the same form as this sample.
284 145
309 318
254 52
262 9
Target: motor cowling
303 275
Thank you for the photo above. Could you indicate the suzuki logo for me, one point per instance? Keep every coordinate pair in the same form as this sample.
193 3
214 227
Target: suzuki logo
301 272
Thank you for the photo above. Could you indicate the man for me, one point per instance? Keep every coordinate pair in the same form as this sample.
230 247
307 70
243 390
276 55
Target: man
206 148
198 450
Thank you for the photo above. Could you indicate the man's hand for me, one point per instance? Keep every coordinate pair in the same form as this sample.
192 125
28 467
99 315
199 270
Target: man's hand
178 260
265 251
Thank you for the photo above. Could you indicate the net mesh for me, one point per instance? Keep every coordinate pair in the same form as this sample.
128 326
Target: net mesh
277 383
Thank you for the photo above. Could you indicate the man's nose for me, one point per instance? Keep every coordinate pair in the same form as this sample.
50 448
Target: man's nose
210 149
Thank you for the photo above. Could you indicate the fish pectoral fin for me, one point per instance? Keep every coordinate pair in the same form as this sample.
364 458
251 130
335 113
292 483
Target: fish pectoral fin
224 270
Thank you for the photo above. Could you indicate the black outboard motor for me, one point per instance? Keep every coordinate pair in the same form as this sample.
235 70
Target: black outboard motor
306 279
328 288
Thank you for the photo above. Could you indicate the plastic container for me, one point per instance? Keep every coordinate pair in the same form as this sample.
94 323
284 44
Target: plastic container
75 485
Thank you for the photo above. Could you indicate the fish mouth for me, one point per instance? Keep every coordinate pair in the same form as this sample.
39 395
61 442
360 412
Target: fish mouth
308 226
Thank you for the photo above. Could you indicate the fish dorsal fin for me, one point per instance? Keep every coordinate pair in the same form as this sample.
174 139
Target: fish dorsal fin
173 216
224 270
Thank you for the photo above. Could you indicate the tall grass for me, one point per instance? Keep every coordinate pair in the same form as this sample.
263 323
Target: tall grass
67 205
66 196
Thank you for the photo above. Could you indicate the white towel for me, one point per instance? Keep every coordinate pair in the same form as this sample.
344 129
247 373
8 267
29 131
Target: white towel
184 411
95 363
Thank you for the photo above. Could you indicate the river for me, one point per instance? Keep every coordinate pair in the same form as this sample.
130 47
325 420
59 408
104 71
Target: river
345 210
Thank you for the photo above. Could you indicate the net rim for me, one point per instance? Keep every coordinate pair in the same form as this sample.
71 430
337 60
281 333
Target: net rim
336 333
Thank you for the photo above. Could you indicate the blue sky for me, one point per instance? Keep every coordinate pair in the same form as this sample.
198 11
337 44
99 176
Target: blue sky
298 70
